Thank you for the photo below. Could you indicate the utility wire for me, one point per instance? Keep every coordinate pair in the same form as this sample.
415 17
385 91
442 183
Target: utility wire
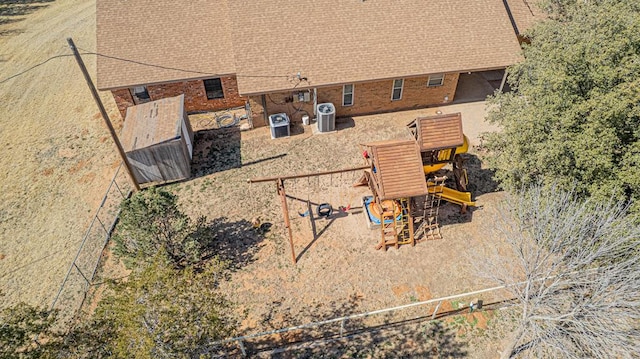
176 68
34 66
138 63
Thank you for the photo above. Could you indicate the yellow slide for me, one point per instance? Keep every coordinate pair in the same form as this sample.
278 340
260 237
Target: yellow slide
453 196
457 197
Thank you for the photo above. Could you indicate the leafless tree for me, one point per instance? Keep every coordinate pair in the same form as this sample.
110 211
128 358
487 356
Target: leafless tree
579 274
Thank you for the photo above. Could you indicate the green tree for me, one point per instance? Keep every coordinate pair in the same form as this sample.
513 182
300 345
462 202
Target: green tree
158 312
574 115
19 325
151 222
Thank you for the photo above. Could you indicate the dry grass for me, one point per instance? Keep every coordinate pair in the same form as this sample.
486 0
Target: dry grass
340 272
56 156
57 160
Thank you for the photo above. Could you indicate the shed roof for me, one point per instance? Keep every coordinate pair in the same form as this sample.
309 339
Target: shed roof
336 41
154 41
438 132
399 172
152 123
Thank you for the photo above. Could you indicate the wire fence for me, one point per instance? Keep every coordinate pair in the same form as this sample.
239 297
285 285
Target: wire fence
345 327
342 328
76 284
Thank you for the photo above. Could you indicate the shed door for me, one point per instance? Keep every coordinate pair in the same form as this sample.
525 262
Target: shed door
187 139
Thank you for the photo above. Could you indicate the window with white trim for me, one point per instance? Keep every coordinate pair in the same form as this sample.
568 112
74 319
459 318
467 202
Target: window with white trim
347 95
435 80
140 94
396 91
213 88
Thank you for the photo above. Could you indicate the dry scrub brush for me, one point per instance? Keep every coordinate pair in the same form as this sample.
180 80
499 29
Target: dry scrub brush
574 272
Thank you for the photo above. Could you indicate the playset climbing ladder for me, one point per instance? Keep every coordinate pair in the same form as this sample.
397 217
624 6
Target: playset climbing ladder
429 228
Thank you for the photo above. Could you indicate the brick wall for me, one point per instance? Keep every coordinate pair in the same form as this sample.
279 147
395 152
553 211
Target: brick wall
195 97
257 111
123 100
369 98
375 97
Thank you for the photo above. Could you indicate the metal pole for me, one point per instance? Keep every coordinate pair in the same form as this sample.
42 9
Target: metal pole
103 112
504 79
242 349
435 311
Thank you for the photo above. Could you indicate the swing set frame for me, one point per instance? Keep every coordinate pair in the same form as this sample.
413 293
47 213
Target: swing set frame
281 193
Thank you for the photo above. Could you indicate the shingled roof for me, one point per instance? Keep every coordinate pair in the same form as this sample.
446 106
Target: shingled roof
156 41
348 41
525 13
267 42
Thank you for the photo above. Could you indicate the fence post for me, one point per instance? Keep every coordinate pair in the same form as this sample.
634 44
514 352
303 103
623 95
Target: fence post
242 349
82 274
342 327
435 311
102 224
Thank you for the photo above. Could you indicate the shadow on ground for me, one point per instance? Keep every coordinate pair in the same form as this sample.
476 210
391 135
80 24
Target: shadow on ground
12 11
358 337
481 179
215 150
218 150
235 241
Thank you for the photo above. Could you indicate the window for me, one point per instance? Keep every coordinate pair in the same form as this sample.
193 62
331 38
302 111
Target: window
347 95
396 92
140 94
435 80
213 87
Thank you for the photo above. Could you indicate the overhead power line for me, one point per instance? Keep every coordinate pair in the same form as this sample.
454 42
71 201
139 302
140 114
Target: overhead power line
34 66
86 52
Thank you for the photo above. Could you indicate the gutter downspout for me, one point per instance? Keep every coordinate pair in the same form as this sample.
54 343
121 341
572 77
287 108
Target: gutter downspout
264 110
315 102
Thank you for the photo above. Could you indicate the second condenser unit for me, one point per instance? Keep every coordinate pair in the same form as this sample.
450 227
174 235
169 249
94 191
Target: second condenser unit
279 124
326 117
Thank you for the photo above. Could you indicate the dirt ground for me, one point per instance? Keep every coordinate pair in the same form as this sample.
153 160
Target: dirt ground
56 156
339 272
57 160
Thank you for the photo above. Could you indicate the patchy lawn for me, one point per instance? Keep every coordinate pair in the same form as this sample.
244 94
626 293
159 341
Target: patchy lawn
339 272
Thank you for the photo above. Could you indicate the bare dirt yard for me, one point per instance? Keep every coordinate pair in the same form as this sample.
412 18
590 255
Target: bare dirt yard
339 272
56 157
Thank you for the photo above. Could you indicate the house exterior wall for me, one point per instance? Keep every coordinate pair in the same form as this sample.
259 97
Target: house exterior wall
123 99
369 98
375 97
195 97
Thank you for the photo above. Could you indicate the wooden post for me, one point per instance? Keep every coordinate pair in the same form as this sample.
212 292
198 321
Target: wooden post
103 112
285 213
411 229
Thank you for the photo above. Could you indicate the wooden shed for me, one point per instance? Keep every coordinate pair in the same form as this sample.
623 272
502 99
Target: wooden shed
158 140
